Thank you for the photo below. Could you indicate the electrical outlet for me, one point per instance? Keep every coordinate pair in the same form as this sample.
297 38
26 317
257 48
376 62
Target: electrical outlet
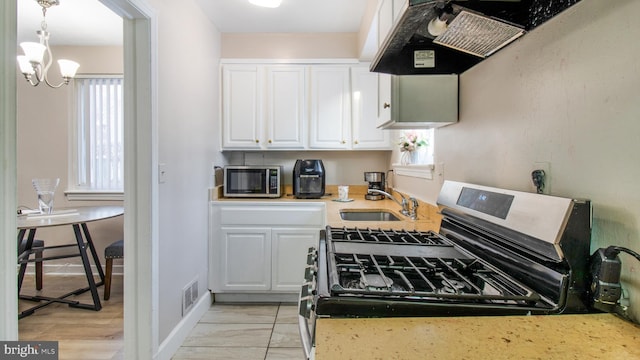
440 172
546 167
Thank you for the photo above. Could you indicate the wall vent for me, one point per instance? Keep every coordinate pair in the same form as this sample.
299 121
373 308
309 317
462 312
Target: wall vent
189 296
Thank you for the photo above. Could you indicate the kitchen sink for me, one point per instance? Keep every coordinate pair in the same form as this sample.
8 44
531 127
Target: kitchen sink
367 215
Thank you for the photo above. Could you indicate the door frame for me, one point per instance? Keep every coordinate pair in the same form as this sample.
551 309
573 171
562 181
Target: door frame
141 186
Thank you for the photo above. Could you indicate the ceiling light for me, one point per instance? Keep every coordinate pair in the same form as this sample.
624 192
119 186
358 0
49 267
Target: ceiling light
32 62
266 3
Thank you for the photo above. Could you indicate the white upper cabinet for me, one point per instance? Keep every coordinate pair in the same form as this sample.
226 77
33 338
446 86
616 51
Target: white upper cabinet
303 107
263 107
286 111
368 96
385 20
241 107
398 8
330 107
388 13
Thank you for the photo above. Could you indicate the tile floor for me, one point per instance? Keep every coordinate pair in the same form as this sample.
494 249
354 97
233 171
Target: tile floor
247 332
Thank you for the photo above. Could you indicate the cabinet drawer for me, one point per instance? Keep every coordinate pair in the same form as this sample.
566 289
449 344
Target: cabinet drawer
273 215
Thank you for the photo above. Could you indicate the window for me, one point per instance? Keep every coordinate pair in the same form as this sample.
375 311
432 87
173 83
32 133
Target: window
416 147
415 154
98 141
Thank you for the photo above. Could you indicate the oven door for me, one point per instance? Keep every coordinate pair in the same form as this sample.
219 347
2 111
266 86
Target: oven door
306 313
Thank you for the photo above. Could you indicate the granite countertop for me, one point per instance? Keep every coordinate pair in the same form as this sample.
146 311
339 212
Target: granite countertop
428 218
588 336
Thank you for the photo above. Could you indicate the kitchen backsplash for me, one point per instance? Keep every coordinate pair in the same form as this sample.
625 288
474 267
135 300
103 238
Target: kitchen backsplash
341 167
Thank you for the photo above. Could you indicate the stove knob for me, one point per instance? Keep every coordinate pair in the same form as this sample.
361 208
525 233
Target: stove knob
312 256
309 272
310 290
310 307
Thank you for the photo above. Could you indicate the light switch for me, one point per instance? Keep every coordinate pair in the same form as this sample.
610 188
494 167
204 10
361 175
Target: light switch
162 173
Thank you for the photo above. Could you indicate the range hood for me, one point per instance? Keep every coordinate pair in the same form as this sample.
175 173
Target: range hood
470 31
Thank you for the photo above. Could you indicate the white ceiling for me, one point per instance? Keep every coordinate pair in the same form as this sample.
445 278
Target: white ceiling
88 22
291 16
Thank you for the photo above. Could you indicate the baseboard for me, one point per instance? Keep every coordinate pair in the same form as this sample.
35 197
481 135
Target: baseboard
71 269
176 338
256 298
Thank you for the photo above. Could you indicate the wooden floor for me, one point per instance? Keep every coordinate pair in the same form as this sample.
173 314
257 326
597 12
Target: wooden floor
82 334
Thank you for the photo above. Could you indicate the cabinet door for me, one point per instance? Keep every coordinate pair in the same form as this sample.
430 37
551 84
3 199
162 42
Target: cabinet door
438 107
384 100
330 107
367 110
286 111
241 107
245 259
399 6
289 249
385 20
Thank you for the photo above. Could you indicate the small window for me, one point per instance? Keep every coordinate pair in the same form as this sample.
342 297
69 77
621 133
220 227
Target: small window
416 147
98 139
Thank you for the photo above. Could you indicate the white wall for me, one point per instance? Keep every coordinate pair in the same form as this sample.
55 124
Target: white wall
290 45
567 94
188 130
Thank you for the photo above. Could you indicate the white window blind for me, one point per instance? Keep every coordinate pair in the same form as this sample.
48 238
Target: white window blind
100 134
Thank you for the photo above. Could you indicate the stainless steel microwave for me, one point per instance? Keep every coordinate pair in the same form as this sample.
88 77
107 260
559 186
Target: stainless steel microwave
259 181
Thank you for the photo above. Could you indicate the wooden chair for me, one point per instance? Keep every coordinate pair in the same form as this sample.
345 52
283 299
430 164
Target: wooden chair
38 252
113 251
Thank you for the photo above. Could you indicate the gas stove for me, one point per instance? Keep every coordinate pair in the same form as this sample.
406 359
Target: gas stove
498 252
427 267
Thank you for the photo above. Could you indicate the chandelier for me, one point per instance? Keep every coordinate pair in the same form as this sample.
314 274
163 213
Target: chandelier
32 63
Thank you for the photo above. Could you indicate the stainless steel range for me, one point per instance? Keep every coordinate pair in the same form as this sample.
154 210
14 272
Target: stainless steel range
498 252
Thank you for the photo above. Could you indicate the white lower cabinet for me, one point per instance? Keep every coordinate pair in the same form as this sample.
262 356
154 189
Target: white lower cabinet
289 249
261 247
245 259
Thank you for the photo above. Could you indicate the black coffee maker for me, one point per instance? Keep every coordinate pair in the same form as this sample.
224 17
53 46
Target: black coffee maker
308 179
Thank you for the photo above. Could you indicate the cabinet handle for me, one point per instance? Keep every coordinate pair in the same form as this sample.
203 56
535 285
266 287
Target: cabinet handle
269 141
356 142
257 141
386 105
343 142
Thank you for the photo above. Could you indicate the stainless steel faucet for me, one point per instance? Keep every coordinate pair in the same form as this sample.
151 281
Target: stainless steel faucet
410 211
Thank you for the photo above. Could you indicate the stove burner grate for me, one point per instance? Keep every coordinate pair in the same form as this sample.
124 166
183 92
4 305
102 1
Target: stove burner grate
433 278
387 236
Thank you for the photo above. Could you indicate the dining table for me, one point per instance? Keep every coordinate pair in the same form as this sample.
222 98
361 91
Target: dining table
83 247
